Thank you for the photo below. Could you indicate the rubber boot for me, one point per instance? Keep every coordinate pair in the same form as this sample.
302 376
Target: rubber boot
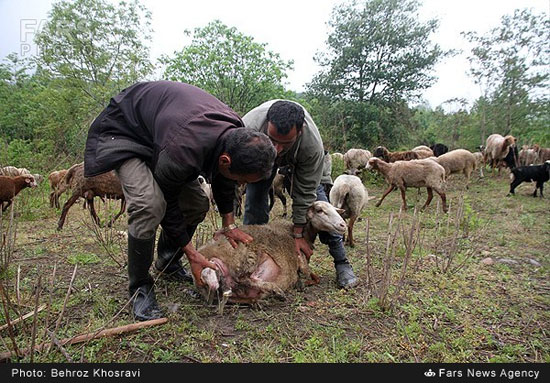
169 259
140 257
345 277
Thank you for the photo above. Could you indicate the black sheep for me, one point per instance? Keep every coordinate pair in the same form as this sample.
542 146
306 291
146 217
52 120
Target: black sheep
536 173
439 149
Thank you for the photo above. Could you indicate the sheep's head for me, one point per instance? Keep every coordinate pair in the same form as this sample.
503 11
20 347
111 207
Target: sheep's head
30 182
325 217
380 151
373 163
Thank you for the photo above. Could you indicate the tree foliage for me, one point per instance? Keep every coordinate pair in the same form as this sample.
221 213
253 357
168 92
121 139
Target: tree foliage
230 65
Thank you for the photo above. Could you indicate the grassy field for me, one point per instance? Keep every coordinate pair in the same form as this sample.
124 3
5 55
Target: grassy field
468 286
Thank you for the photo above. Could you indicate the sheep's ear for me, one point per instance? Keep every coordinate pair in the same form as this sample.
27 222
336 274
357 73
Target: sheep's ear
28 180
310 213
340 211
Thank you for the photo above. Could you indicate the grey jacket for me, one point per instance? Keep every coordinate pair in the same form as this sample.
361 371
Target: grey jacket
305 157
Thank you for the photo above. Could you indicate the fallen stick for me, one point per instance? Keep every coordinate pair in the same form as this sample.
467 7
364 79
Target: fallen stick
89 336
26 316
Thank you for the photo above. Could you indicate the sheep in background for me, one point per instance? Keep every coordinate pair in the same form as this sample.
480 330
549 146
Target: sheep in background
349 194
13 171
543 153
383 153
439 149
423 151
337 155
415 173
104 185
497 148
268 265
57 186
281 182
458 161
11 186
480 162
355 160
536 173
528 156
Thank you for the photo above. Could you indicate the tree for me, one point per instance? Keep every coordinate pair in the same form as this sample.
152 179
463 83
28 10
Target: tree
95 46
230 65
510 63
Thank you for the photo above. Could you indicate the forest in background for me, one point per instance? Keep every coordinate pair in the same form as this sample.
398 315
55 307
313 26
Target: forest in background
377 61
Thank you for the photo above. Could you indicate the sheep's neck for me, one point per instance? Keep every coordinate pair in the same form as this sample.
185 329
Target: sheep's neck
310 233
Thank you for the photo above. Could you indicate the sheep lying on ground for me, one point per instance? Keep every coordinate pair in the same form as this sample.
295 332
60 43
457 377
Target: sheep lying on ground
349 194
480 162
383 153
527 156
536 173
104 185
457 161
11 186
497 148
57 186
268 264
415 173
439 149
355 160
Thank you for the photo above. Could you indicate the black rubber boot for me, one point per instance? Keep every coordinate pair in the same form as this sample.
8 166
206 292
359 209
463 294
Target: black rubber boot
140 257
345 276
169 259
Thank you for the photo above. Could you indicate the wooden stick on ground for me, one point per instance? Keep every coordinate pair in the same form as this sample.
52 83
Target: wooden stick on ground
22 318
89 336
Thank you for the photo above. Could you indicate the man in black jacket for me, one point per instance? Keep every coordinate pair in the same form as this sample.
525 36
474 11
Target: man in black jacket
158 137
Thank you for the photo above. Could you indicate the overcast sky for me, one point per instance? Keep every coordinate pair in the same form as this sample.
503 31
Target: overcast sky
296 29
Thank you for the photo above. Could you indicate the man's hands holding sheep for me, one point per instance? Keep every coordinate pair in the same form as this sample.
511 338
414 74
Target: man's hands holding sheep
197 262
233 236
302 247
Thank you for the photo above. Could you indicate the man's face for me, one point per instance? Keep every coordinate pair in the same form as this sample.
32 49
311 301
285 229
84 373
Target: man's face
282 142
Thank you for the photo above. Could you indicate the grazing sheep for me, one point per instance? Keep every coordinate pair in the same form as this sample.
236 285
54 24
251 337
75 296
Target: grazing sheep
415 173
104 185
12 171
439 149
338 156
497 148
349 194
543 153
527 156
58 187
423 151
383 153
536 173
11 186
281 182
458 161
268 264
480 162
355 160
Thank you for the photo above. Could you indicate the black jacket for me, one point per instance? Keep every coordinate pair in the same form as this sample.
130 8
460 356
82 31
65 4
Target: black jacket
177 129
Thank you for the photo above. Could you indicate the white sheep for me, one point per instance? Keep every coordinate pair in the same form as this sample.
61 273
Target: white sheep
528 156
356 159
480 162
349 194
338 156
423 151
457 161
497 148
414 173
13 171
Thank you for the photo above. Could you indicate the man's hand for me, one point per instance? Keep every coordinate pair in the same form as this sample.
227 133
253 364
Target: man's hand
197 262
234 236
301 246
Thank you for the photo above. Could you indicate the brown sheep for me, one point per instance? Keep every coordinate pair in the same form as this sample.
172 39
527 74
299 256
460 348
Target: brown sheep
383 153
458 161
415 173
497 148
11 186
58 187
267 265
104 185
543 153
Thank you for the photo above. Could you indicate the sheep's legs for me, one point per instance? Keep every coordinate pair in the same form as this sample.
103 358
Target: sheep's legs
430 196
4 208
92 212
390 189
70 202
122 209
443 199
350 231
403 197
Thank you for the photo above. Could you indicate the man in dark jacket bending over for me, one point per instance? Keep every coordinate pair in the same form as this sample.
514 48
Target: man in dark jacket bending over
158 137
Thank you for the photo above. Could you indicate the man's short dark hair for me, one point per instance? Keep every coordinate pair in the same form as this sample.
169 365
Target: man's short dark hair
284 115
251 152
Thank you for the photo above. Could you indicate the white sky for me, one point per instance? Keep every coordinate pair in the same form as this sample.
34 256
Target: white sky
295 29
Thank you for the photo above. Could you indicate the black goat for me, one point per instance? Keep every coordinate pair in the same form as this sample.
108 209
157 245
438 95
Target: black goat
439 149
536 173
